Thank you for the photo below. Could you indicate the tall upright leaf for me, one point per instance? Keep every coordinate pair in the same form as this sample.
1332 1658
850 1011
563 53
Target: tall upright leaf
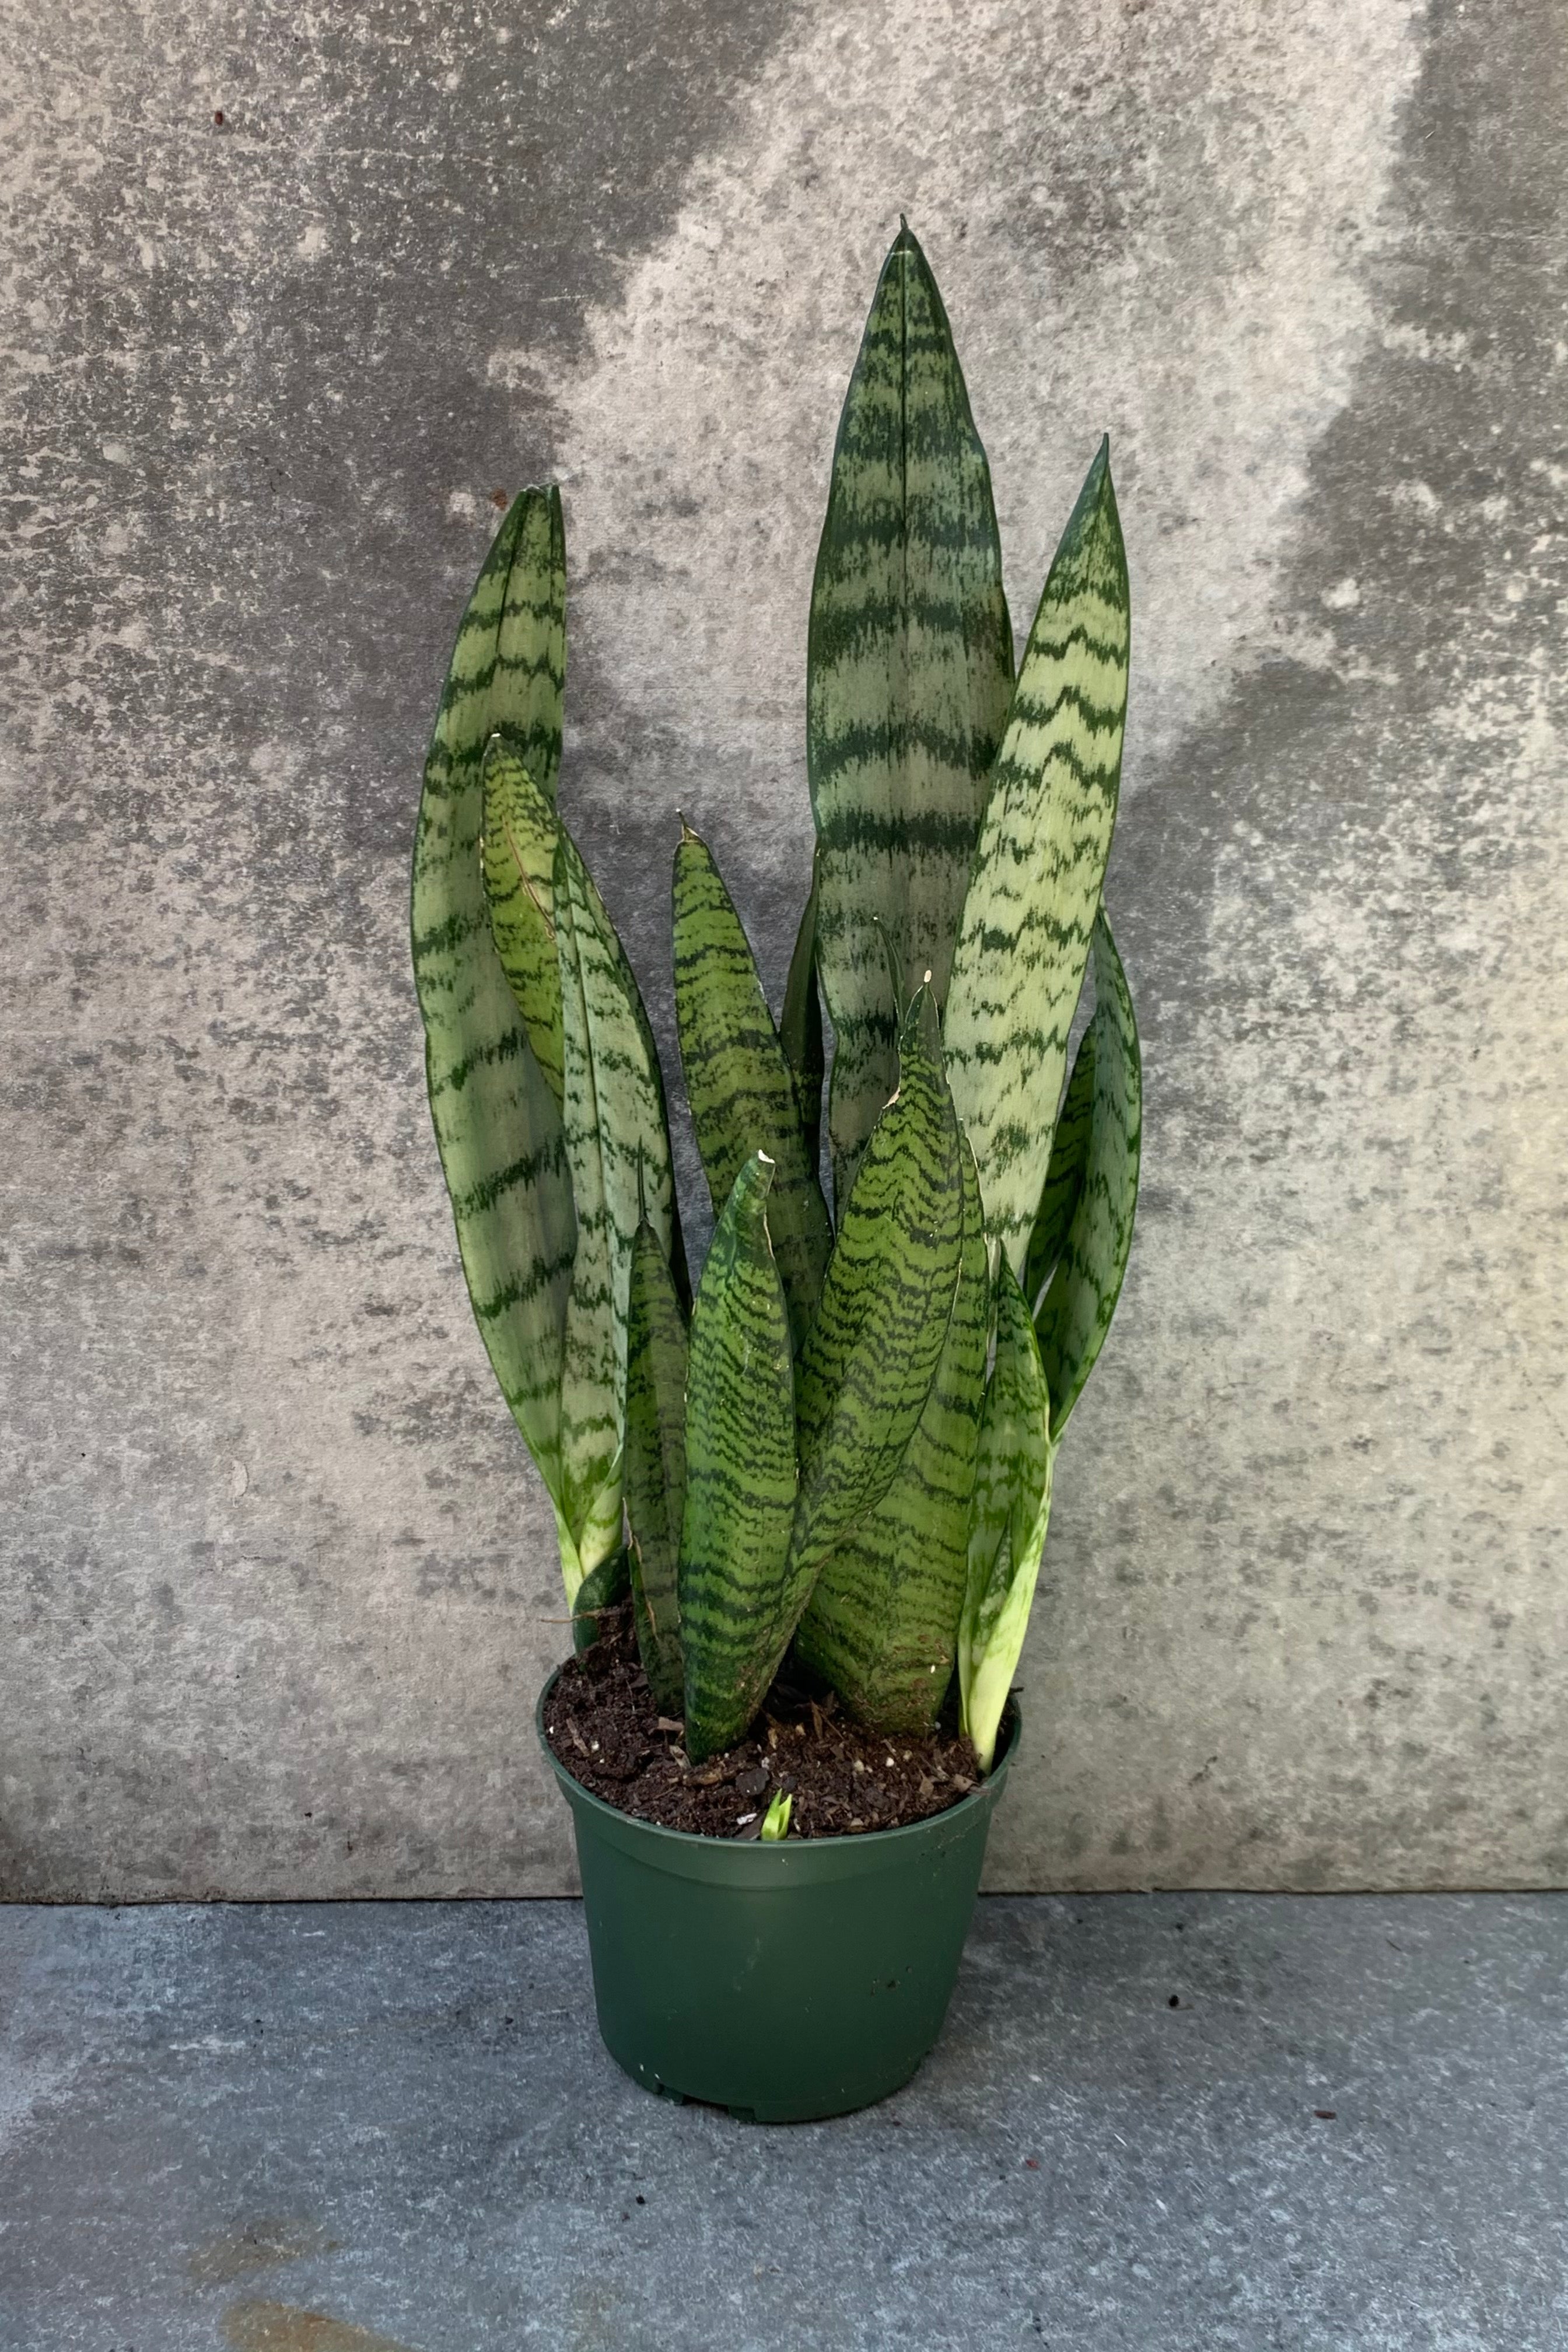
619 1144
497 1124
740 1474
883 1621
800 1029
1032 897
870 1357
1075 1313
518 856
909 670
1011 1502
739 1085
655 1475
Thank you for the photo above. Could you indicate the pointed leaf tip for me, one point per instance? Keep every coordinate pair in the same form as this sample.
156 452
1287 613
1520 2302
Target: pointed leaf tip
737 1612
1022 944
739 1082
899 753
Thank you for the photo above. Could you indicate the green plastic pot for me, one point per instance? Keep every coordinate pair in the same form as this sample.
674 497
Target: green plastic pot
785 1982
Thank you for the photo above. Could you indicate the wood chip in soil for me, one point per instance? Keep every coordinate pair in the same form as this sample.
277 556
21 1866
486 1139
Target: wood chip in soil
603 1726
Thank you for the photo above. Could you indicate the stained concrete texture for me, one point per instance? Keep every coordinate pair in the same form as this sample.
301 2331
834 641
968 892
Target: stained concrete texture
291 299
1279 2124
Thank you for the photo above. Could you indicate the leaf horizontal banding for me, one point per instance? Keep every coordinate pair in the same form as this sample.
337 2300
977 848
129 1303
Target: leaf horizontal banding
655 1467
910 668
528 679
518 856
739 1083
800 1031
1010 1502
497 1123
1076 1312
619 1144
1025 936
882 1621
1063 1177
871 1354
740 1474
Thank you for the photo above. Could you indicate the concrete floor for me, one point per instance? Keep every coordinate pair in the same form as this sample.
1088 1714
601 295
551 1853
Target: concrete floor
334 2128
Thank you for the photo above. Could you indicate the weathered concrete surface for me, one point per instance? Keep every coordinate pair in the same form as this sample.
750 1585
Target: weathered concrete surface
392 2128
277 1587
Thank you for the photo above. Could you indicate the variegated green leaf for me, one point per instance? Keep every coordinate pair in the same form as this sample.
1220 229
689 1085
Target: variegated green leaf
800 1030
1076 1314
740 1474
618 1145
655 1474
882 1621
738 1082
1024 938
1012 1475
521 833
496 1120
1063 1177
870 1357
528 685
1000 1622
909 670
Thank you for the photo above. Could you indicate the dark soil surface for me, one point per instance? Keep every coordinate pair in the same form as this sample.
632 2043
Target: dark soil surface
603 1726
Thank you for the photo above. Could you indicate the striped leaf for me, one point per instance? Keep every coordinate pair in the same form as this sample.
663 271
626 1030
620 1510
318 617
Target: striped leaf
740 1474
1076 1314
529 684
497 1124
1063 1177
882 1621
867 1368
1011 1481
800 1030
656 1463
908 671
1023 939
618 1145
518 854
738 1081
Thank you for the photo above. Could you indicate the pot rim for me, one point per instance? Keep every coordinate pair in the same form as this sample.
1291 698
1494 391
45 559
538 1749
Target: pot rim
983 1792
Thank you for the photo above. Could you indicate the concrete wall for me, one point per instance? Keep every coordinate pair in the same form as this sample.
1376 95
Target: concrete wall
277 1587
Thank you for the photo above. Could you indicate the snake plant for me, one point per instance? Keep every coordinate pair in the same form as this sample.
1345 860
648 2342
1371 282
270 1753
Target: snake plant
846 1439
